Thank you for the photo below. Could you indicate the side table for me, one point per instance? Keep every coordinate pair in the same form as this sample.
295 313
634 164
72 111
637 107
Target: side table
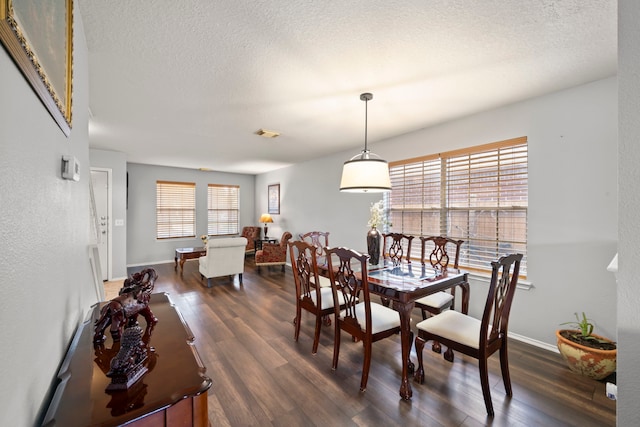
184 254
257 243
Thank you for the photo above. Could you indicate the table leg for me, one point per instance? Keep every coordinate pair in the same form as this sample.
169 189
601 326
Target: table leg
175 259
182 260
406 338
465 297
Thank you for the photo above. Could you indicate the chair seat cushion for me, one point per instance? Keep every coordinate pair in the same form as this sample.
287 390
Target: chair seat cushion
382 318
324 282
437 300
454 326
326 296
271 255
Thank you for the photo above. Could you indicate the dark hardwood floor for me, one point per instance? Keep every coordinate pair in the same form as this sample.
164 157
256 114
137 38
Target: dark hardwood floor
262 377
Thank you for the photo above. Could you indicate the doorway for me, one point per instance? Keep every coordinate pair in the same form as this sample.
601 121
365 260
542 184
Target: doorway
101 184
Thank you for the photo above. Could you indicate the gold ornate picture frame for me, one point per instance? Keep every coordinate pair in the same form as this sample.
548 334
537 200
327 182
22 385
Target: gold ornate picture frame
38 35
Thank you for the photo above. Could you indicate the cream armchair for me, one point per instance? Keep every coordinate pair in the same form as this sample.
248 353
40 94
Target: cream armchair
225 256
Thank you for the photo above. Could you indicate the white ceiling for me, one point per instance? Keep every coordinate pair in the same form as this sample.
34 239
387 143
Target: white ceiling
187 83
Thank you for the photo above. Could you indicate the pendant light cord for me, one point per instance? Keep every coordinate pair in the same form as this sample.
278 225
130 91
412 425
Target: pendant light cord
366 103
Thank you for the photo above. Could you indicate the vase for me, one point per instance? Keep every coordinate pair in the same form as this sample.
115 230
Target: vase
373 245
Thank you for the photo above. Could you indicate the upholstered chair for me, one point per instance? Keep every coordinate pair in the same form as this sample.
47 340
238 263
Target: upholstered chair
251 233
273 253
225 257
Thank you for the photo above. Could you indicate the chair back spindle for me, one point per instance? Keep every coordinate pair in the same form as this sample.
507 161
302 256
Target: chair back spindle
351 286
439 257
304 271
397 247
319 239
504 280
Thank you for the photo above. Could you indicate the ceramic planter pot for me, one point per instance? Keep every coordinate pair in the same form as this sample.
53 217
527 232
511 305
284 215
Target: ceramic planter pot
591 362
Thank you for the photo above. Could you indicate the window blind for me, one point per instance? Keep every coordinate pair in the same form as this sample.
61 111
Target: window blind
223 209
479 195
175 209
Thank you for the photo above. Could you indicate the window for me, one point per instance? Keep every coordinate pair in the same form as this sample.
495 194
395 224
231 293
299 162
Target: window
223 206
175 209
479 195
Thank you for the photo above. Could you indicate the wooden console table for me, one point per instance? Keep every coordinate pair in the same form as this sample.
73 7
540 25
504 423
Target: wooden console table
184 254
172 393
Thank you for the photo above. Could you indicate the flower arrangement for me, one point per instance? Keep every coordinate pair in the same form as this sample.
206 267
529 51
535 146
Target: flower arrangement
378 215
204 239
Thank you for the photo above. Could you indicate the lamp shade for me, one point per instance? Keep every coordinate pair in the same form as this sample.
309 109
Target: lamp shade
265 218
365 175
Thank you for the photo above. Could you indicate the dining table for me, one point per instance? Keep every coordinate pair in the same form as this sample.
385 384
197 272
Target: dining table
401 284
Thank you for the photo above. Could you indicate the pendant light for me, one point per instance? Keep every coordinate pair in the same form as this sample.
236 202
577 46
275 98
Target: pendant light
366 172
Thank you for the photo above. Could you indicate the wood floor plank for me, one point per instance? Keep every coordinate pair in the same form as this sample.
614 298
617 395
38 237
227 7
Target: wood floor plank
262 377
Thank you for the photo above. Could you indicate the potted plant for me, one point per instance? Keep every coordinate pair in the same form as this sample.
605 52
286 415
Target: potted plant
585 352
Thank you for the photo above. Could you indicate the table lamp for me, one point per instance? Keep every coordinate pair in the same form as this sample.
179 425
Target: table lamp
265 218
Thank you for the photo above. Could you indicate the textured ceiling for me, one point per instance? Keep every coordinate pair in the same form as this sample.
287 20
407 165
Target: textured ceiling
188 83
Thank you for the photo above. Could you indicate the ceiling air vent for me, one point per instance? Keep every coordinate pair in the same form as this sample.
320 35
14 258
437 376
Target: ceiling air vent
267 133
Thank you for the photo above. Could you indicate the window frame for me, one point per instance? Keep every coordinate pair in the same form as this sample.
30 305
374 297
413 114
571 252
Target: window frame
230 209
431 195
175 210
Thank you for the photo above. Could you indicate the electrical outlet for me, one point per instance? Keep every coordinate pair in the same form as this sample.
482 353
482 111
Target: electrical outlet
612 391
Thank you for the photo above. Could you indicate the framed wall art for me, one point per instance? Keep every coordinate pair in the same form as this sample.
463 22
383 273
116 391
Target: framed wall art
274 199
38 35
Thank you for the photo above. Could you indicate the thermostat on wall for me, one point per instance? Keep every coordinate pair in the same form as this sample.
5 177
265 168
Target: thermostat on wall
70 168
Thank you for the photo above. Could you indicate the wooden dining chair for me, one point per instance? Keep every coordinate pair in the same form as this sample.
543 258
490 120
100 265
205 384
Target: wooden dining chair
364 320
439 258
478 338
319 239
313 292
397 247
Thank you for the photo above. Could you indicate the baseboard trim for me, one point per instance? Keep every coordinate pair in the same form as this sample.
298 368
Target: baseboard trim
535 343
145 264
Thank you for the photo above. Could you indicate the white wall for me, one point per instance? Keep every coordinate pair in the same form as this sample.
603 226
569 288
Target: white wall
629 232
572 223
44 223
117 162
142 246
